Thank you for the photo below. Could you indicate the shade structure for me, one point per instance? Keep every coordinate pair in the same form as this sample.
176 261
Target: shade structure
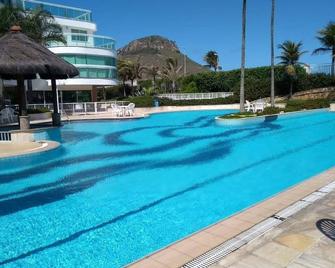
21 58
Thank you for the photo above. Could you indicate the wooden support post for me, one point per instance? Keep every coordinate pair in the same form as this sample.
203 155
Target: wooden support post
56 121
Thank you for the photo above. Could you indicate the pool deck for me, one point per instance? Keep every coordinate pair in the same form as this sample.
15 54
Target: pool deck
193 246
296 243
12 149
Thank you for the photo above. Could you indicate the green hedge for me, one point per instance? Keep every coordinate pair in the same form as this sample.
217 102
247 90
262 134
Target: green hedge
38 110
297 105
147 101
257 81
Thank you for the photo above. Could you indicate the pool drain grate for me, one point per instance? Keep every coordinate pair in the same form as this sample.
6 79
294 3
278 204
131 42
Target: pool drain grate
221 251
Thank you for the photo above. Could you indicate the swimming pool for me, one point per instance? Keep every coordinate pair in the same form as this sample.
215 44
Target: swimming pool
117 191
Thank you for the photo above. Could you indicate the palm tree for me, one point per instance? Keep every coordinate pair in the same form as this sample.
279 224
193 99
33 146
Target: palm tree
153 71
212 59
123 72
40 25
273 54
326 37
290 58
244 23
10 16
172 71
136 71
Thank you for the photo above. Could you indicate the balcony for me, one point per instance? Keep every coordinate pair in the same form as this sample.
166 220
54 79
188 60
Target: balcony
60 10
85 40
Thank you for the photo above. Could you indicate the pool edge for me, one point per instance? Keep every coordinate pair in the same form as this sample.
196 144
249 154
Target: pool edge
193 246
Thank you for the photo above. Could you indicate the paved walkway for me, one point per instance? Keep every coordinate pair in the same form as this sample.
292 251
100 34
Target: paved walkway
296 243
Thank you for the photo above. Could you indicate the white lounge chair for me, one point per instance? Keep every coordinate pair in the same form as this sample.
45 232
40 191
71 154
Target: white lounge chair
130 109
249 106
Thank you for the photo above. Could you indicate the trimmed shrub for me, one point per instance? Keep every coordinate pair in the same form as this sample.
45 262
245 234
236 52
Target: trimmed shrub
257 81
271 110
297 105
38 110
147 101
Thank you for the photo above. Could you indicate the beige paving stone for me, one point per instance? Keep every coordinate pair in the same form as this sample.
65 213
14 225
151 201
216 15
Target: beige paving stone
324 249
207 239
252 261
147 263
171 258
310 261
299 242
277 253
233 258
191 247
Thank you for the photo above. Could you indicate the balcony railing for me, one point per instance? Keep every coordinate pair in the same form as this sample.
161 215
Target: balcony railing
85 40
196 96
59 10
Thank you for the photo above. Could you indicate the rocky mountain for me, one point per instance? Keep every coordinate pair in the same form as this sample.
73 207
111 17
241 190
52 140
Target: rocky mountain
154 50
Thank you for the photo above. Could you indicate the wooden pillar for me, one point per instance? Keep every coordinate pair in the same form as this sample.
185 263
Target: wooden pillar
23 118
56 120
94 94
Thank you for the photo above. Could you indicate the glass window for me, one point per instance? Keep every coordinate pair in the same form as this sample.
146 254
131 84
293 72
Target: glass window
89 59
69 58
81 37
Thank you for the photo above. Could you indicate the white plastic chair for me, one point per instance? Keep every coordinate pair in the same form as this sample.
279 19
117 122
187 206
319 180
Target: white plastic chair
116 110
259 106
130 109
249 106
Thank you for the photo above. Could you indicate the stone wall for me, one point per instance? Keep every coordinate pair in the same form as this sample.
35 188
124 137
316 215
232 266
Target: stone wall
319 93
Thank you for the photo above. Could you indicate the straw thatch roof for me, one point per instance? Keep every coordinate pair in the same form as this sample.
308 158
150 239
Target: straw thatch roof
20 56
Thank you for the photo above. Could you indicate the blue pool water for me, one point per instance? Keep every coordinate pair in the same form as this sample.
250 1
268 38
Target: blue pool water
117 191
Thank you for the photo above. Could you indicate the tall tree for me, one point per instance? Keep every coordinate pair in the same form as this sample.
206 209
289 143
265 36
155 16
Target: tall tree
41 26
212 59
124 73
291 53
273 54
153 71
38 24
244 23
172 71
326 37
136 71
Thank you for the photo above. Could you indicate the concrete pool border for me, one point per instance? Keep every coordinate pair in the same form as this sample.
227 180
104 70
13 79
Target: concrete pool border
226 236
35 148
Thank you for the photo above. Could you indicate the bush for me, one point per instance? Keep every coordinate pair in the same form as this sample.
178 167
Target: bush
271 110
38 110
297 105
147 101
190 88
141 101
238 115
257 81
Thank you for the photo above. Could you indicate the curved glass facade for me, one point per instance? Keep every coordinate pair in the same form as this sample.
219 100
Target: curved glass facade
89 59
104 73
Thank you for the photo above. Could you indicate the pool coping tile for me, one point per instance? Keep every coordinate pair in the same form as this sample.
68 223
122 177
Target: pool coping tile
195 245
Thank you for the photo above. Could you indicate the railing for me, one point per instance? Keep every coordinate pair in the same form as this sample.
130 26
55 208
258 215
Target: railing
5 137
196 96
321 69
81 107
85 40
60 10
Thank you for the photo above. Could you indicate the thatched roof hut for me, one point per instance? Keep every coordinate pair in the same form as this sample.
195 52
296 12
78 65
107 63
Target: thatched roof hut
21 58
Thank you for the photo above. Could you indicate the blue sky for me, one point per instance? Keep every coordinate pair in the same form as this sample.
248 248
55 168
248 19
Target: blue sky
201 25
